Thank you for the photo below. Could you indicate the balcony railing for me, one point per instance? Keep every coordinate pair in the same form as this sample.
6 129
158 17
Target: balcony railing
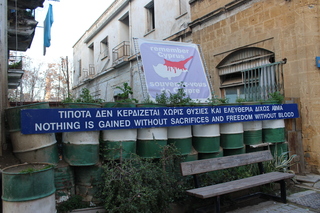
15 71
15 62
121 52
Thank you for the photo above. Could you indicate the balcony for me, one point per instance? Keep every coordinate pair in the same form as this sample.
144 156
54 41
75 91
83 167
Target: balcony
21 23
89 74
120 54
15 71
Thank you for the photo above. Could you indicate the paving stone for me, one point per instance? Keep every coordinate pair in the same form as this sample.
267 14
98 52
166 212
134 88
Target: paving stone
309 178
317 185
309 199
272 207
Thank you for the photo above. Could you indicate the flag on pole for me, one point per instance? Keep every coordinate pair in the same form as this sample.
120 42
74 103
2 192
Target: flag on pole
47 29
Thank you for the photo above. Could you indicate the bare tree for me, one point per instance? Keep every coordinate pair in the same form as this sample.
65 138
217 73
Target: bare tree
40 83
32 80
55 83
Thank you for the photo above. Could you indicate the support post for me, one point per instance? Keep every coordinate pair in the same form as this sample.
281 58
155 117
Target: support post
3 69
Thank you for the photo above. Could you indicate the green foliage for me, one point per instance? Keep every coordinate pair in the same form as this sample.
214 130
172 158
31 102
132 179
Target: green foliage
214 100
85 97
141 185
241 100
32 170
15 65
227 175
74 202
276 97
281 163
162 98
179 98
148 101
126 93
69 99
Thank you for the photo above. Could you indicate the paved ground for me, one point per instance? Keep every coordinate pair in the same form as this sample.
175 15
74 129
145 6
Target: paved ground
300 202
296 204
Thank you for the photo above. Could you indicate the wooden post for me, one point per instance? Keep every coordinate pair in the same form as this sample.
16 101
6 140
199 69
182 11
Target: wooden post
294 136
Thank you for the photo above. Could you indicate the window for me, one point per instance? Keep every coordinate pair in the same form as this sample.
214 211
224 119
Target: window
91 46
79 64
250 74
182 7
233 93
150 16
104 48
91 60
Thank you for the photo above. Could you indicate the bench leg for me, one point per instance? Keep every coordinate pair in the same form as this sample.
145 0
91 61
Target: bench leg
217 204
283 191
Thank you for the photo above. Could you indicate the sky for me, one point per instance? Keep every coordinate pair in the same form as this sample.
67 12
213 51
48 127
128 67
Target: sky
71 19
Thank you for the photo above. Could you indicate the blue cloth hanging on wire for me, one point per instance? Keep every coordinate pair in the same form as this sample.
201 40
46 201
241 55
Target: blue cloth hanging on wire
47 28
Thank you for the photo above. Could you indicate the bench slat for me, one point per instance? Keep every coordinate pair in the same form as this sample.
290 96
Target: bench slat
213 164
236 185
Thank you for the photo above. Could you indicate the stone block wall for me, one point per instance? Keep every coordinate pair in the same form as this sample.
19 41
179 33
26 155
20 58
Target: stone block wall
290 29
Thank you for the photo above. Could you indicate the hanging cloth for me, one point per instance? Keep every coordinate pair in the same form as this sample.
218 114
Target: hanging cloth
47 29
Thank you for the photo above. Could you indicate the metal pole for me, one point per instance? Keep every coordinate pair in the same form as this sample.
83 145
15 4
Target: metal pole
67 66
3 69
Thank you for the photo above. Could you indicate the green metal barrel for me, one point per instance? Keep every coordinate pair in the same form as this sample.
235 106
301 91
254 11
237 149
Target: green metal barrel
192 156
45 148
231 135
252 132
254 149
119 143
81 105
13 114
206 138
181 137
151 142
211 155
277 149
28 188
273 131
31 147
81 148
87 181
228 152
63 181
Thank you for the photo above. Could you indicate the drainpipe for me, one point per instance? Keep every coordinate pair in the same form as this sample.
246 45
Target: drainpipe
131 45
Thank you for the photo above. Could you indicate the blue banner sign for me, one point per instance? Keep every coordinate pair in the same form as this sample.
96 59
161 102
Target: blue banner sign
34 121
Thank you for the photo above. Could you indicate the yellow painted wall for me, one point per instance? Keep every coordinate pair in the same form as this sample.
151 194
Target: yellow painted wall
290 29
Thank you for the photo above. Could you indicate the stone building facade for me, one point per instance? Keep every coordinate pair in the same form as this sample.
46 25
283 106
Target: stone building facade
241 36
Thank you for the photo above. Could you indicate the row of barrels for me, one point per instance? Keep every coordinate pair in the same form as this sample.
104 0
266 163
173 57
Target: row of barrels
44 180
83 148
81 151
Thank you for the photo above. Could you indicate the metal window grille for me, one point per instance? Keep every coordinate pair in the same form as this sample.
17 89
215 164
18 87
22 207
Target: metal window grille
260 81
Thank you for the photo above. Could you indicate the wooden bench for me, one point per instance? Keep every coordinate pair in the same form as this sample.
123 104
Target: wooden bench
208 165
